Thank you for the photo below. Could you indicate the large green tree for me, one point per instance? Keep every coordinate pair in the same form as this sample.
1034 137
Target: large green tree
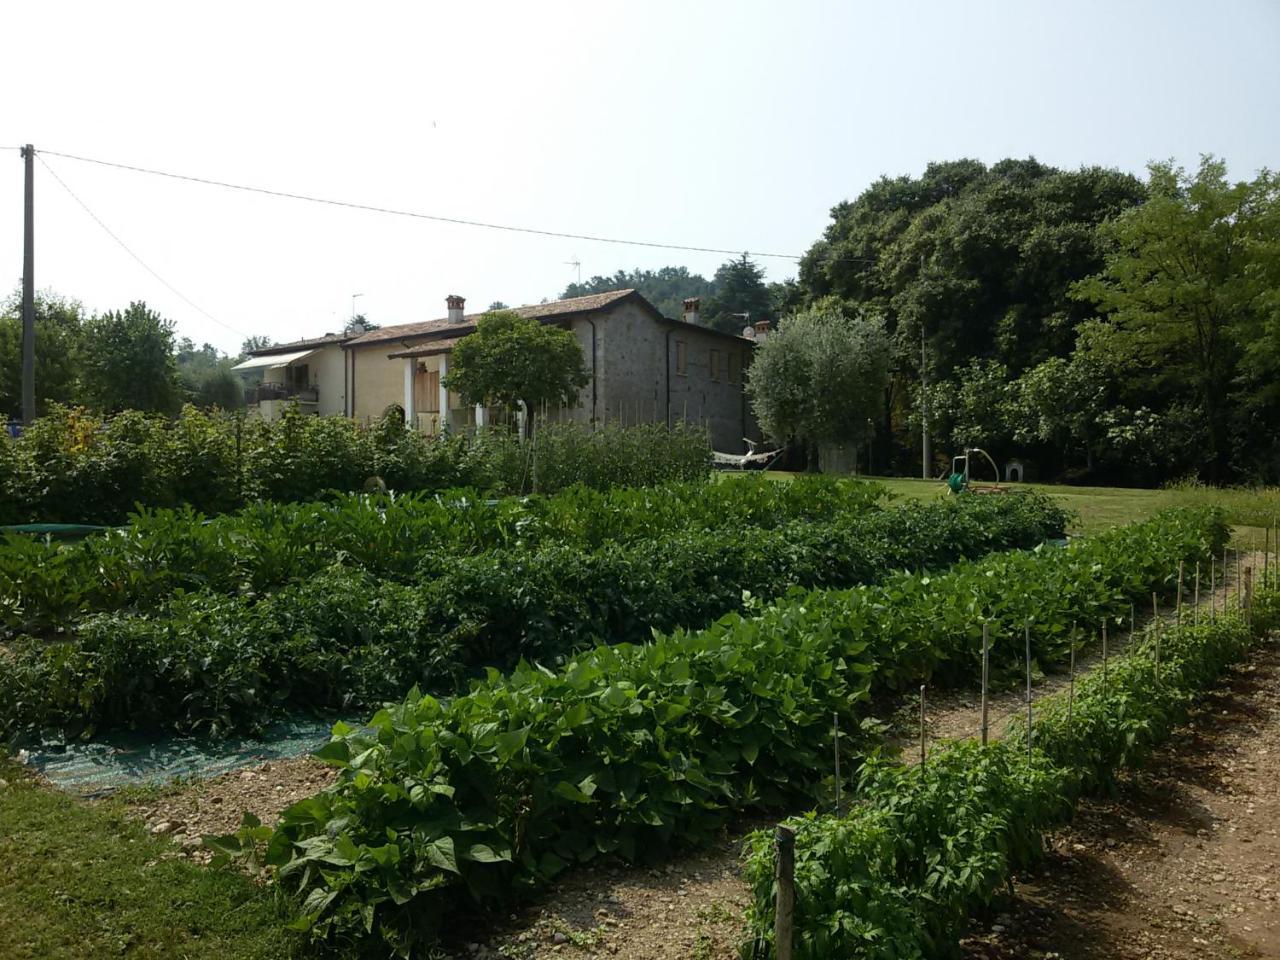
58 323
1188 291
819 378
510 358
741 296
128 361
979 260
666 288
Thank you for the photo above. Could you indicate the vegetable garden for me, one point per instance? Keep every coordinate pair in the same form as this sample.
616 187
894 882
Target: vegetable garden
618 672
175 622
636 749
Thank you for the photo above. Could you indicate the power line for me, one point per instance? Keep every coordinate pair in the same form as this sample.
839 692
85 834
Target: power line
124 246
458 221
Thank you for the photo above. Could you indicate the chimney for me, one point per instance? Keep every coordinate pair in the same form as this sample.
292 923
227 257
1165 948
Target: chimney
456 303
762 330
691 309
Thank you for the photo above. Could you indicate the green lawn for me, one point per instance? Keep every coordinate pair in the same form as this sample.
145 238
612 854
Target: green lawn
81 881
1249 510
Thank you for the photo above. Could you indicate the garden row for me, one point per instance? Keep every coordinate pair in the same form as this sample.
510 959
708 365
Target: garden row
925 846
45 585
629 749
343 639
74 467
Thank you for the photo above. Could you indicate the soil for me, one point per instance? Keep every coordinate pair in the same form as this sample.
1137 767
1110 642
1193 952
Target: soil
216 806
1182 863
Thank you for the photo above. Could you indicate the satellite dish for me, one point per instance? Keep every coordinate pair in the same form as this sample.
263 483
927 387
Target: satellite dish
749 332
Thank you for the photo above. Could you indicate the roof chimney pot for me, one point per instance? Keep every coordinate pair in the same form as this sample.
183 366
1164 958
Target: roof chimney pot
762 329
692 309
456 305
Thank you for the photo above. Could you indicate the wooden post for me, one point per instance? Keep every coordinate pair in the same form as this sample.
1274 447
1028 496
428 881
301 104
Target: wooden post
986 673
1156 623
922 734
1239 583
785 895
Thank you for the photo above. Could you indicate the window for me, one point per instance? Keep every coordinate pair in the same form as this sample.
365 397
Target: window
715 365
681 359
734 361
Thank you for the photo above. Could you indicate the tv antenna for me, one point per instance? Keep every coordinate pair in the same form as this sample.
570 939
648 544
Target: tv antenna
576 264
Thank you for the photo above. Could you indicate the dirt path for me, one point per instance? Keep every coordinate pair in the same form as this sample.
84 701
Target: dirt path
1182 864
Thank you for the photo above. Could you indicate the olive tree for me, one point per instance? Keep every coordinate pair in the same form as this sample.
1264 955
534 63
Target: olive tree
819 378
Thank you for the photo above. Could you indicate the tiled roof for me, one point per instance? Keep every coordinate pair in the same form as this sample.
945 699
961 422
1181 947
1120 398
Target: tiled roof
536 311
433 347
295 345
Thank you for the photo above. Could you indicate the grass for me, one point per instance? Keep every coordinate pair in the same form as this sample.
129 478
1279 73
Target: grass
1250 510
80 881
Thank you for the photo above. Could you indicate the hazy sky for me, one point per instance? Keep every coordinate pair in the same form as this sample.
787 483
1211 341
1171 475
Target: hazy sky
734 125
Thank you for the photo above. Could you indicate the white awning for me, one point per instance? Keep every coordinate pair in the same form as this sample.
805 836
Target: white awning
273 360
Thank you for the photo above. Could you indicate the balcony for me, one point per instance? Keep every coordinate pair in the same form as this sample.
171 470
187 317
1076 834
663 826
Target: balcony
266 392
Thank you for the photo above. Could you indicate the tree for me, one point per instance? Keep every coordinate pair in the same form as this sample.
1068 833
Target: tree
58 323
498 305
128 361
1189 290
741 296
819 378
666 288
510 358
257 342
205 376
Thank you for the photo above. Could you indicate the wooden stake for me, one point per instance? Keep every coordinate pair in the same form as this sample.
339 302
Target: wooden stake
785 897
1248 594
986 670
1239 583
1213 589
1156 623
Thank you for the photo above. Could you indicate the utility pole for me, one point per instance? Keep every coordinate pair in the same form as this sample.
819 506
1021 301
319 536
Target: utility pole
925 453
28 289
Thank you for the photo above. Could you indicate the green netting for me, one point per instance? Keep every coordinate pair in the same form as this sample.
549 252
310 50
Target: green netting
108 763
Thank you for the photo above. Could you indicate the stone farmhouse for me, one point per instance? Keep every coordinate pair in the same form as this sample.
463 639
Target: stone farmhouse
644 368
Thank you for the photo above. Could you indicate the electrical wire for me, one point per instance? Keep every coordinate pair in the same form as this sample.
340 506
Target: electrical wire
124 246
457 221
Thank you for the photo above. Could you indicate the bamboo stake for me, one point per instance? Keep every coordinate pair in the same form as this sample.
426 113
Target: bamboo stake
1155 622
986 669
1213 589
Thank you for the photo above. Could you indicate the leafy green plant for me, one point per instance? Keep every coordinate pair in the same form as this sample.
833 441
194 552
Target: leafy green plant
925 845
629 749
342 638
